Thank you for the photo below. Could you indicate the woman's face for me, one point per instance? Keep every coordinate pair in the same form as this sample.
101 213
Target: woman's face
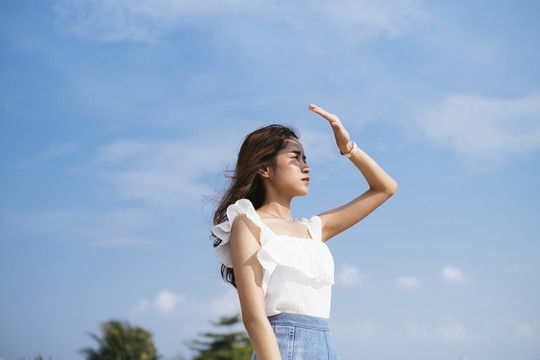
290 174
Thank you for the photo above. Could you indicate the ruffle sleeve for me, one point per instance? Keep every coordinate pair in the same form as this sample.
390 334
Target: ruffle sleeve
223 231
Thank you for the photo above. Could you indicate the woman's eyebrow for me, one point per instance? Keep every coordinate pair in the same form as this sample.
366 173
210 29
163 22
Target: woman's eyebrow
298 153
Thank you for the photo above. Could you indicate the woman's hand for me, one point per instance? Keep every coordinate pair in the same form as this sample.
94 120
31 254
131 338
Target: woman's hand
381 185
343 139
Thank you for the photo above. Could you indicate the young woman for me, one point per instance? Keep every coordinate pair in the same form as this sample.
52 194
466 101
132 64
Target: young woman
282 268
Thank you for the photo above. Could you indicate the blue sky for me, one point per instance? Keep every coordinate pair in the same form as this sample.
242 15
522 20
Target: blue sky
118 119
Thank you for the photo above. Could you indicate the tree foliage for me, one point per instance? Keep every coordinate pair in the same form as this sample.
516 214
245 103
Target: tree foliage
120 341
226 344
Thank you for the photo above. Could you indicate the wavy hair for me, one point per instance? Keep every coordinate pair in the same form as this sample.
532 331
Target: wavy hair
258 151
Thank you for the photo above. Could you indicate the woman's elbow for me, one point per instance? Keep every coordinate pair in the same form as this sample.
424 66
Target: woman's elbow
253 321
387 188
392 187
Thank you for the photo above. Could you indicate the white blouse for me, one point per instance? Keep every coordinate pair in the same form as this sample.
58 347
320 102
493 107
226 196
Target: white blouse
298 273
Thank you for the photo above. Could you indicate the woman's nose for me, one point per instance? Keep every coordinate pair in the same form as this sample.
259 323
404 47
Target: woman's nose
306 169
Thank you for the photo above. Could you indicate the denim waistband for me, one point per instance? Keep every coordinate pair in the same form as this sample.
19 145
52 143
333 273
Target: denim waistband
300 320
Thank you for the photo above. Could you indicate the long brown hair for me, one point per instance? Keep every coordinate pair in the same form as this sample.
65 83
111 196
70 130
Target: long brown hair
258 151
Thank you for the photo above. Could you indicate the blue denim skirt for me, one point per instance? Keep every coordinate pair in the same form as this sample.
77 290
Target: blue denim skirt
302 337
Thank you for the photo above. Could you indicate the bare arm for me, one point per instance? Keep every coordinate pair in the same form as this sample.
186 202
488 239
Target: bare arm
248 274
381 185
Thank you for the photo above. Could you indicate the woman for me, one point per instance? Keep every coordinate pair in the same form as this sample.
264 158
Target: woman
282 268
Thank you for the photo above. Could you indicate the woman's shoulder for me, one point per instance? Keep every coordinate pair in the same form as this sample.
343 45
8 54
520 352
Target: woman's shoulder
244 222
242 210
241 216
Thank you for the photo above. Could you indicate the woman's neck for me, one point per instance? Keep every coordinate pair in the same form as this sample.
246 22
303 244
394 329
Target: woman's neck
277 208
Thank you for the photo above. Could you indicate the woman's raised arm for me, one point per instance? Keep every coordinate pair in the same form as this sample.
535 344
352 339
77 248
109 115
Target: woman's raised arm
381 185
248 274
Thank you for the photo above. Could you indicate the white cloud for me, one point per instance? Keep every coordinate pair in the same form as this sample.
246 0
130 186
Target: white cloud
112 228
142 306
523 269
319 146
149 20
163 173
408 282
164 302
453 275
360 330
484 130
56 151
453 333
526 330
180 305
369 18
116 20
226 303
349 275
416 332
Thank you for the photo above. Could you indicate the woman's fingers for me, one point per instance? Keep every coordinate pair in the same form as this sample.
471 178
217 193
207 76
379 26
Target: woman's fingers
341 135
325 114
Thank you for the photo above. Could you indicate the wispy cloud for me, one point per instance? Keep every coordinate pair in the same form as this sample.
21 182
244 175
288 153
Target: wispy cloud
527 330
484 130
453 275
349 275
112 228
226 303
360 330
319 146
408 282
109 21
54 152
368 18
417 332
163 173
453 333
149 20
169 302
164 302
523 269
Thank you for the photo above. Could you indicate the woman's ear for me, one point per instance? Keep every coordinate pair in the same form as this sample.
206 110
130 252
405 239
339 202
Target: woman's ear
264 172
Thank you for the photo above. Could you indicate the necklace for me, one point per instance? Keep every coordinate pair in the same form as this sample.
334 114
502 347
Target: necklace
277 216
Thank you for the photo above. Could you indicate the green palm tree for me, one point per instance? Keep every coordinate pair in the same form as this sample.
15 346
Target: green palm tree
120 341
224 344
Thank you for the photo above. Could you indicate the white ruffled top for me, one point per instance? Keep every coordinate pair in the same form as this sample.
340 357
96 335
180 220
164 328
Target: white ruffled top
298 273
